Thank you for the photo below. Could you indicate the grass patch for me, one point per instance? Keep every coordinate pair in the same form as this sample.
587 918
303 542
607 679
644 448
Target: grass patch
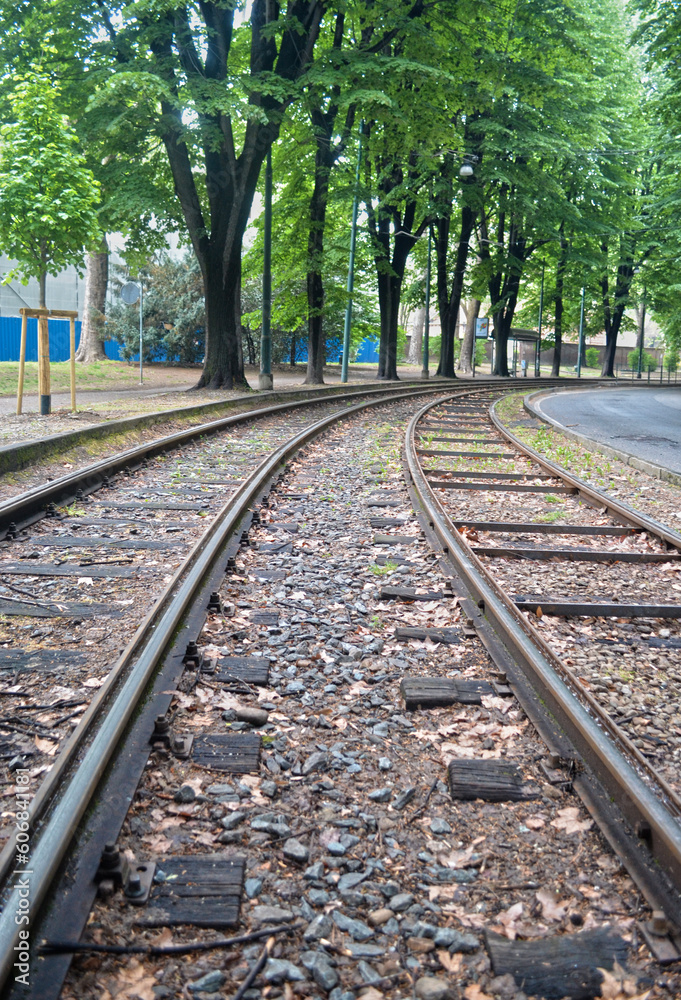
383 570
553 515
98 375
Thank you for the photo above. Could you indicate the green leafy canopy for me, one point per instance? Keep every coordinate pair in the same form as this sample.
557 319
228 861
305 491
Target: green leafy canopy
48 196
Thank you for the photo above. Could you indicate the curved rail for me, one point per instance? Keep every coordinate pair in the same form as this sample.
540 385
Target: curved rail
69 789
617 768
590 493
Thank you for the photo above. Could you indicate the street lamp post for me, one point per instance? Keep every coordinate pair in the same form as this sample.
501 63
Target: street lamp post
425 373
130 293
351 264
265 378
580 348
537 357
642 333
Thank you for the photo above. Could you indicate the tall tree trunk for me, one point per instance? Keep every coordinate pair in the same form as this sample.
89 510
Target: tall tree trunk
292 356
450 320
250 345
469 342
389 292
416 343
91 346
223 363
41 289
559 307
315 257
216 223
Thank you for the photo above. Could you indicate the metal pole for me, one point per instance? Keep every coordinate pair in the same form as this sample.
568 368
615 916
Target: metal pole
265 380
642 333
581 335
351 264
141 328
72 359
426 325
22 361
537 356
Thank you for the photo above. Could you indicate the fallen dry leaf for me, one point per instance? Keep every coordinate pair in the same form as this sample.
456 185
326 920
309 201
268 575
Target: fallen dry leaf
473 992
133 983
509 919
452 963
550 907
568 820
618 984
46 746
535 822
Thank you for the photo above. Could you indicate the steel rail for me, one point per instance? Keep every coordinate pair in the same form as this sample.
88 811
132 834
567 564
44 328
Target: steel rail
612 768
30 506
77 785
122 664
590 493
593 497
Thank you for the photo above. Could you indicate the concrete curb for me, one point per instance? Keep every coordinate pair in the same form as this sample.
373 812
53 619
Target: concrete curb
651 468
18 456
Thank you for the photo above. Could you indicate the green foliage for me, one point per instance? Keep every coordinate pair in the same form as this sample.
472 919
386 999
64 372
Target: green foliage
173 313
48 196
671 359
592 357
648 362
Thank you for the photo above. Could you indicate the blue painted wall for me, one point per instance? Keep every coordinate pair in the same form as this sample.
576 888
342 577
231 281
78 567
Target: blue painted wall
10 340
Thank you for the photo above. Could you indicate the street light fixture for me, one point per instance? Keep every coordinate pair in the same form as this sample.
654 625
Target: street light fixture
130 293
467 168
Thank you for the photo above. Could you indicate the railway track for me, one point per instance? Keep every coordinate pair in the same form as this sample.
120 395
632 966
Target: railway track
291 688
95 530
555 565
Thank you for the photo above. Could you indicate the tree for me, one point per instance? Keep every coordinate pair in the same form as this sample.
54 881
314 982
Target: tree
48 197
173 312
221 87
91 344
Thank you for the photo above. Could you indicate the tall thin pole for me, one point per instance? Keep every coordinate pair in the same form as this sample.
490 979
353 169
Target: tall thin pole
141 319
581 335
22 361
642 333
425 373
351 264
265 380
537 356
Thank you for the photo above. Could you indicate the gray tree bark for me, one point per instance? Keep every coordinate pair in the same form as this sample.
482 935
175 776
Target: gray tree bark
416 343
472 310
91 346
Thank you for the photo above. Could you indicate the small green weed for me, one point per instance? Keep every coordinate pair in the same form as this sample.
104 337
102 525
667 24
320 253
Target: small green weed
383 570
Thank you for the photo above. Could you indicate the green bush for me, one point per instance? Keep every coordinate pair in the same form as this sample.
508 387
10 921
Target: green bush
480 352
592 357
648 362
671 359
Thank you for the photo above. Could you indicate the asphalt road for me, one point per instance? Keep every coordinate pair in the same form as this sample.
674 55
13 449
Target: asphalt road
642 422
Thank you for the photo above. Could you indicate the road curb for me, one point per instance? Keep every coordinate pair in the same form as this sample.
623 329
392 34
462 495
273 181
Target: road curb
651 468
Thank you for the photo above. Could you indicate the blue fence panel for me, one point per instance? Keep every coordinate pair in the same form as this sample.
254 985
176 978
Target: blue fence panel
10 338
367 352
112 349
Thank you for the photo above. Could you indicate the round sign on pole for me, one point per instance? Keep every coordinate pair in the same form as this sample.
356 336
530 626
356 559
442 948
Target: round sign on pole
130 293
